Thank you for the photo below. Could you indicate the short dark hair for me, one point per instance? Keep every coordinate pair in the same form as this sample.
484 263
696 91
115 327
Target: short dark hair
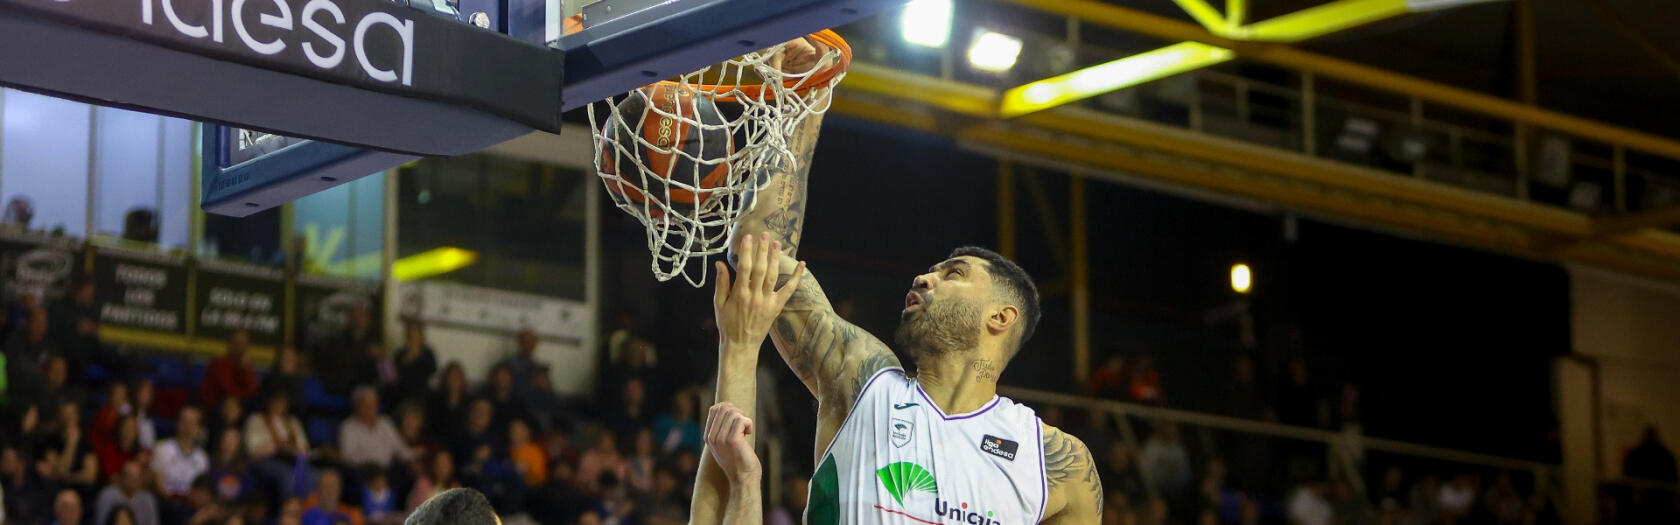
1016 286
454 506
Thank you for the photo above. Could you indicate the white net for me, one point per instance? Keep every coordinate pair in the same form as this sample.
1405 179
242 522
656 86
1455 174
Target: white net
685 157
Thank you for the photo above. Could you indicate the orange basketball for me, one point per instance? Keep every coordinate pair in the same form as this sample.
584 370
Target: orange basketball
703 161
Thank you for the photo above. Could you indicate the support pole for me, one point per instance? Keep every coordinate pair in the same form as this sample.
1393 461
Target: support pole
1081 264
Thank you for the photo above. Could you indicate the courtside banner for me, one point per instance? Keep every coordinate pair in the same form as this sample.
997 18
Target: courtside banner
373 45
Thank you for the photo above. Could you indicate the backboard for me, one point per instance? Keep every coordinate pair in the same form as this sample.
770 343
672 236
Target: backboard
307 94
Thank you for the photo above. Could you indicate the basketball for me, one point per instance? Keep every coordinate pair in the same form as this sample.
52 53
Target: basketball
683 138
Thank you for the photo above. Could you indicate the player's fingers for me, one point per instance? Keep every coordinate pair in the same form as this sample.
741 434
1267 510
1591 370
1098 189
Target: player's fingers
748 430
791 285
762 247
712 421
745 265
720 290
768 284
737 426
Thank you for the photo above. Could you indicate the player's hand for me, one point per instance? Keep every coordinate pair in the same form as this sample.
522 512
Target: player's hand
799 56
748 304
727 429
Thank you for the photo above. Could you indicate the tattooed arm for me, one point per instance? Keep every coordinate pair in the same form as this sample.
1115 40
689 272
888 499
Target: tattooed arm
1076 493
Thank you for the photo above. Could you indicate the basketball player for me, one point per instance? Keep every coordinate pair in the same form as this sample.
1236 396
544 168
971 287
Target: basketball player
940 447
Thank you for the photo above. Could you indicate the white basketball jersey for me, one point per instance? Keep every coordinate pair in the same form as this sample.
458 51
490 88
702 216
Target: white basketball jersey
899 459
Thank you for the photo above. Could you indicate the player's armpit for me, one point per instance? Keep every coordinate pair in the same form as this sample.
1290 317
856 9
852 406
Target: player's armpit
1076 493
833 357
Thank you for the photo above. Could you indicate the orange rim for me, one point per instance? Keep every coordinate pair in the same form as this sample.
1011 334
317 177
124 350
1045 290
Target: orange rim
822 78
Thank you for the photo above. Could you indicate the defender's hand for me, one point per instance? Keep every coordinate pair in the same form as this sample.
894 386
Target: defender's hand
727 429
748 305
799 56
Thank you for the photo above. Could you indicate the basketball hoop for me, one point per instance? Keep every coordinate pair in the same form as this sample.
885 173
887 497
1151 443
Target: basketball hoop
685 156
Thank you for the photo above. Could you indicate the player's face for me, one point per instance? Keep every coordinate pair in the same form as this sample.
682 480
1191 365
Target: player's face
945 306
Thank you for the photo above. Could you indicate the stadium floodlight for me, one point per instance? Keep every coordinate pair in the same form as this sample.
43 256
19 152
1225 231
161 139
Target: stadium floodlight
1242 278
1118 74
927 22
993 52
436 261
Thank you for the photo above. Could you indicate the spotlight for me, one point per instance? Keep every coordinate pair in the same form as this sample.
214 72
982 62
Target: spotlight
993 52
1241 278
927 22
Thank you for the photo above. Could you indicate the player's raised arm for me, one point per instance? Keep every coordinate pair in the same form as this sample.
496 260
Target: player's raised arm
1076 493
830 355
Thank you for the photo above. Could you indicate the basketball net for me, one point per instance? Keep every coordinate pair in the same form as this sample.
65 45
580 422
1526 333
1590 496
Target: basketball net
687 215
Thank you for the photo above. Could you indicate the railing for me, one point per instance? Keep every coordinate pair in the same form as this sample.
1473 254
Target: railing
1346 452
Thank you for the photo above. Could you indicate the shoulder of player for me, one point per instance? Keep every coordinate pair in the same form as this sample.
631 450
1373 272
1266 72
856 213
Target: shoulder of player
1066 458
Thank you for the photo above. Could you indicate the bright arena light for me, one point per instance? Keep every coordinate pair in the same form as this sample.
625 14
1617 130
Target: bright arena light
927 22
1241 278
993 52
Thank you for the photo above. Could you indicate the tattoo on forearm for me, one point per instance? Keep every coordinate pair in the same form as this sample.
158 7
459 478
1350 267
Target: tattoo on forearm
1067 460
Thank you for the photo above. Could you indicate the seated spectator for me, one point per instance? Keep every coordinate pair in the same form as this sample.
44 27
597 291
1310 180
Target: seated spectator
437 477
228 415
29 348
604 458
342 360
632 414
1166 461
122 447
230 477
1145 381
476 441
1502 501
547 412
284 377
128 490
27 496
527 457
368 438
67 508
677 428
642 462
635 364
143 393
53 392
378 500
1109 380
67 459
1426 499
411 426
523 361
277 445
503 397
1310 506
558 500
116 406
323 506
416 362
1120 474
230 375
663 506
1458 498
448 404
382 368
178 460
121 516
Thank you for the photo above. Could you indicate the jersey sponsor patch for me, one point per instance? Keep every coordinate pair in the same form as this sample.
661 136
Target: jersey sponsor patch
902 429
999 447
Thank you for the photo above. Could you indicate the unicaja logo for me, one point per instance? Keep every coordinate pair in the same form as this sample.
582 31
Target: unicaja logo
960 513
324 20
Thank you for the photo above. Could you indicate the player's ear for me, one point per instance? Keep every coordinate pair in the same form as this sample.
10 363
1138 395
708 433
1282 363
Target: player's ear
1003 319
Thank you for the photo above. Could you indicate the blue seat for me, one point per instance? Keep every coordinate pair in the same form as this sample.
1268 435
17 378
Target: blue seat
321 431
315 395
167 373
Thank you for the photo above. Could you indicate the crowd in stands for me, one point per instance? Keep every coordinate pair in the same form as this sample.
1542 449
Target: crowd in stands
351 429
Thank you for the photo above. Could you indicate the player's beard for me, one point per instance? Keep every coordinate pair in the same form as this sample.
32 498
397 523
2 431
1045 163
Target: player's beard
940 327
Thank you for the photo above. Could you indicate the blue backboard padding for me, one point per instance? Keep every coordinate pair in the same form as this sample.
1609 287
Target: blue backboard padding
668 40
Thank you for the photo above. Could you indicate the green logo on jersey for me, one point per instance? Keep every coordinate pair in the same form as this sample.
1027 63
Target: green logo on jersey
903 477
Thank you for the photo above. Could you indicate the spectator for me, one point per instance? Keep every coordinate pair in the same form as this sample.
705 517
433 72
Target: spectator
524 360
631 414
342 360
368 438
543 405
67 457
230 375
104 423
284 378
122 516
382 368
1426 502
558 501
602 459
641 462
1347 506
29 348
324 507
379 502
438 476
75 326
129 490
1166 461
26 496
448 403
1309 506
1145 384
229 415
477 440
503 396
677 429
1502 502
1109 380
527 456
792 509
291 512
277 445
411 426
1650 460
1120 474
230 475
122 448
178 460
1458 498
53 393
416 362
634 365
143 393
663 506
614 501
67 508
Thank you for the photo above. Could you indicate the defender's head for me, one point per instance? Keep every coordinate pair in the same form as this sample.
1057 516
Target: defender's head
975 298
455 507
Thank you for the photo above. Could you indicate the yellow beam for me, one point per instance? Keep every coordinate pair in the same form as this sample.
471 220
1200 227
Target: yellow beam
1119 74
1204 14
1144 23
1236 12
436 261
1321 20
